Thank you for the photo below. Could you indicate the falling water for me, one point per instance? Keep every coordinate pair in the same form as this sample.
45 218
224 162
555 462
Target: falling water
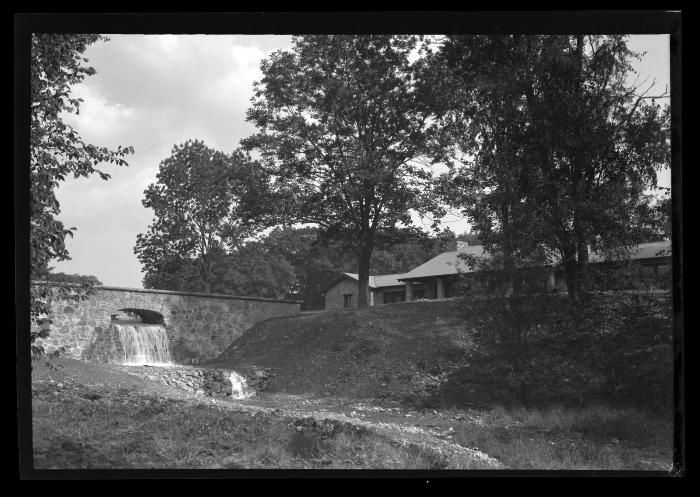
238 386
144 344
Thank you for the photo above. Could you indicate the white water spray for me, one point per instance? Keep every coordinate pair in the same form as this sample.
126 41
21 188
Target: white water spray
238 386
144 344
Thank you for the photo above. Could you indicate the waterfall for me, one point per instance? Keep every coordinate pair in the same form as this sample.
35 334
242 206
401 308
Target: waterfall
238 386
144 344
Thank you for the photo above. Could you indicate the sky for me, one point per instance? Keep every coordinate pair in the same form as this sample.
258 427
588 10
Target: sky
155 91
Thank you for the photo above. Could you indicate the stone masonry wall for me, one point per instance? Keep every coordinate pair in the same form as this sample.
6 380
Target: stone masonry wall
199 326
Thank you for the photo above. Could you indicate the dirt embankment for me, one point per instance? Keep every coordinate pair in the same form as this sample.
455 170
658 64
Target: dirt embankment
392 352
433 354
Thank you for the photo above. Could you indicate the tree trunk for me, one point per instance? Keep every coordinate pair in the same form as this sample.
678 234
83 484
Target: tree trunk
571 273
579 162
582 266
363 271
207 272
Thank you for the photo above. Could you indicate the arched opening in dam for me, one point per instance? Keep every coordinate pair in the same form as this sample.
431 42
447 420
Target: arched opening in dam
142 336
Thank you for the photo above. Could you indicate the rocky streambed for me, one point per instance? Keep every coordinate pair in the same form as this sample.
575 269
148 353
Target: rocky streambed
211 382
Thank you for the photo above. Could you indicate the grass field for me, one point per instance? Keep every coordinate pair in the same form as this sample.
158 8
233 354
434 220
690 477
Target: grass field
574 439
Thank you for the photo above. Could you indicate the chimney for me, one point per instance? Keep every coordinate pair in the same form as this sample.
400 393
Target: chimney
462 245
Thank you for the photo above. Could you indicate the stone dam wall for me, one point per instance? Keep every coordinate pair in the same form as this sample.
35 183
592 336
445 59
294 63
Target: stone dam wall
199 326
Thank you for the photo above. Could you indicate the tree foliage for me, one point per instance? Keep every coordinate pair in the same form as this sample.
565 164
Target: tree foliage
293 263
341 121
198 200
56 149
72 278
552 149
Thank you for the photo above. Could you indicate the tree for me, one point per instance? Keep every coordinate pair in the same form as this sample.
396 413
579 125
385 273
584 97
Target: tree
56 149
341 122
255 270
558 149
73 278
198 201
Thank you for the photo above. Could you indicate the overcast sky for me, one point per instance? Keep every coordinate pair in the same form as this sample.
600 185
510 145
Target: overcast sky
155 91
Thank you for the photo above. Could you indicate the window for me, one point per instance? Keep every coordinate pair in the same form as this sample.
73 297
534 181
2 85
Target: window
392 297
347 300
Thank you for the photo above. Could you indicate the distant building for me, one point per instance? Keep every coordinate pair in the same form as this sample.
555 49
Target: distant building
438 278
383 289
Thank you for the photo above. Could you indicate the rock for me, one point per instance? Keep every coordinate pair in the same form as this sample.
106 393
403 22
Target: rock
60 385
259 374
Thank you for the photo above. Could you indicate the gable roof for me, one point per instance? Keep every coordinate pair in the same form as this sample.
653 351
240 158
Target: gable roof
377 281
380 280
650 250
445 264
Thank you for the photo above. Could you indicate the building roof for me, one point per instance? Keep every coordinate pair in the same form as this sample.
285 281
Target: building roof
445 264
448 263
381 280
649 250
377 281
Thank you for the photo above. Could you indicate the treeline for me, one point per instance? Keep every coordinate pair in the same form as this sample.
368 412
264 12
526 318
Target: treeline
81 279
295 263
544 143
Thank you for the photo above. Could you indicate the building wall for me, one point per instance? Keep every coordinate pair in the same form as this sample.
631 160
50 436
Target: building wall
335 295
199 326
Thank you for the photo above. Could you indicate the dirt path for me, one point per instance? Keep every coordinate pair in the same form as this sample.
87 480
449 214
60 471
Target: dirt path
426 431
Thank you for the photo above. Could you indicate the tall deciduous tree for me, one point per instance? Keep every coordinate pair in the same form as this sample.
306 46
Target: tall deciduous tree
558 147
198 203
56 149
341 121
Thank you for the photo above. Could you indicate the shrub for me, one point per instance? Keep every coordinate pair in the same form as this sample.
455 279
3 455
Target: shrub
615 348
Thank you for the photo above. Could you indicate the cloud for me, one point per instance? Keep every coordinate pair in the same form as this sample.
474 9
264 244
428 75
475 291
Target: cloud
151 92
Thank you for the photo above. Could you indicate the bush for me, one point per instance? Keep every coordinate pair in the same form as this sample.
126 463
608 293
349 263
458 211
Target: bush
611 348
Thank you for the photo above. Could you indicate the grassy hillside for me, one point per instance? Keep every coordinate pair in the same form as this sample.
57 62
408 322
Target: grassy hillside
383 351
430 354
